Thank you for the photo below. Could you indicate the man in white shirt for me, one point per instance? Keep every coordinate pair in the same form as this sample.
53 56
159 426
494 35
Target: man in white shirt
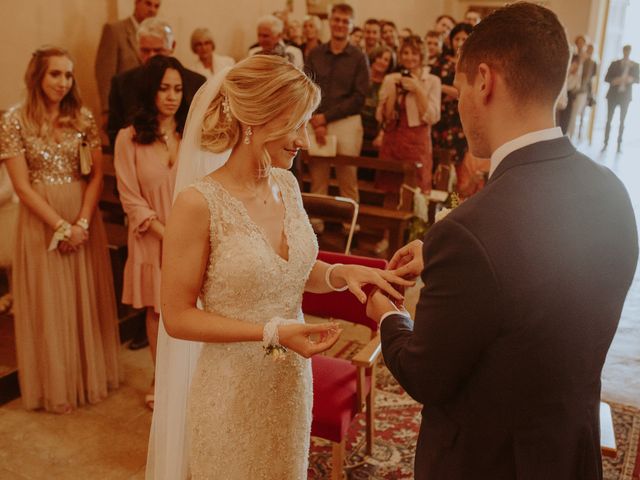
524 282
270 41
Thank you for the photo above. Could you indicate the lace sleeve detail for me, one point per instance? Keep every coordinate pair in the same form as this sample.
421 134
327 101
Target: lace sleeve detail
289 185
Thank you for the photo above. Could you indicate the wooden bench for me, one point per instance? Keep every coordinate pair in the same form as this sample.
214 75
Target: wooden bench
379 212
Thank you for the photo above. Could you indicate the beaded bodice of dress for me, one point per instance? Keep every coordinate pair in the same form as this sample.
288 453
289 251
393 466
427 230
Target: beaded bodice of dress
245 278
50 160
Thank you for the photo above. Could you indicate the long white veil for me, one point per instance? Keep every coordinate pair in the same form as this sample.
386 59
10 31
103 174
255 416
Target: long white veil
167 457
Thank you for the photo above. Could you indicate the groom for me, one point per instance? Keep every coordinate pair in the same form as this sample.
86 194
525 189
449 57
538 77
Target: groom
524 282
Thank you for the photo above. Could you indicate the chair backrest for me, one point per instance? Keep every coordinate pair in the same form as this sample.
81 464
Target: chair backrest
340 209
342 305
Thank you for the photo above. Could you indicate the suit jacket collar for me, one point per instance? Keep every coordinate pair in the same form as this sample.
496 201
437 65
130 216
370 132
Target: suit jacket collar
131 30
536 152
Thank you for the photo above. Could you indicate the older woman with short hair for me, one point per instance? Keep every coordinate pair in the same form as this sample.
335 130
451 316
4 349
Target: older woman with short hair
204 47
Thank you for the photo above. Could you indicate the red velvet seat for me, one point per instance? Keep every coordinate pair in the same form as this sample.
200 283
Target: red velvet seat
343 388
335 384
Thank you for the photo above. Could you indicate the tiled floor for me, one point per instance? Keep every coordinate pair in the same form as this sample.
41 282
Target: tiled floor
109 440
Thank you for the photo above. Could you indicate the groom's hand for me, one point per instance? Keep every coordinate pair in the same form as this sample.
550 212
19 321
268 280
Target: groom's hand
407 262
378 304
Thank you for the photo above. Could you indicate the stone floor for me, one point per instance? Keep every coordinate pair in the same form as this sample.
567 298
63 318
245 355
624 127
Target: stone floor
109 440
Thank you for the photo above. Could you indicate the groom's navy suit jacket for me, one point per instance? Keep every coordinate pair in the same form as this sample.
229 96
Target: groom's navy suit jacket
524 285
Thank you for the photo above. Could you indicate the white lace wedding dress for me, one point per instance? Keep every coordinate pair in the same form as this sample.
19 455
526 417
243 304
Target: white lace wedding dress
249 417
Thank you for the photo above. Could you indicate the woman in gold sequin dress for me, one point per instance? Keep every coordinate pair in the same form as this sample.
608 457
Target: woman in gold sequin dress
65 314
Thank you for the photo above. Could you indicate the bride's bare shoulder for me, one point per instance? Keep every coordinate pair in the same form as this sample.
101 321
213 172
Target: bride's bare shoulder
189 201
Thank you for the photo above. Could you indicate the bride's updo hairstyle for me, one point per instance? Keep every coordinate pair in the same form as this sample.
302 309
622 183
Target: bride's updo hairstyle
255 92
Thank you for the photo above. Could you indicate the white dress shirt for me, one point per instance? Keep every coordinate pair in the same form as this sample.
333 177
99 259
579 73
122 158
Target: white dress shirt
219 62
432 85
517 143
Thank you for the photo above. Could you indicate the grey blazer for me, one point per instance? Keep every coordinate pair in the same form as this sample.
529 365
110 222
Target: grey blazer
117 53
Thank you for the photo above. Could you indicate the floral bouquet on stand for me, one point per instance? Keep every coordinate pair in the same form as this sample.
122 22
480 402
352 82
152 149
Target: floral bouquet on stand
420 223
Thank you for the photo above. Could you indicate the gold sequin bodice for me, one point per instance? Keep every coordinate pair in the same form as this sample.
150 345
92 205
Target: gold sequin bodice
49 160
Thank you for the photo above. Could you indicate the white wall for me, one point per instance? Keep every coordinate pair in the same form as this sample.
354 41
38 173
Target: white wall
76 25
28 24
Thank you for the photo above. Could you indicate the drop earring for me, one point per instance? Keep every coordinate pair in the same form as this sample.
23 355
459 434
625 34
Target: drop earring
247 135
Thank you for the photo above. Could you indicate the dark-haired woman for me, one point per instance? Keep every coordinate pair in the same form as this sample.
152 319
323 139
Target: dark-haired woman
380 61
65 316
447 133
145 162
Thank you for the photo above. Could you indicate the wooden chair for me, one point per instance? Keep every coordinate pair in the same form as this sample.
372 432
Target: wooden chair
338 209
383 214
343 388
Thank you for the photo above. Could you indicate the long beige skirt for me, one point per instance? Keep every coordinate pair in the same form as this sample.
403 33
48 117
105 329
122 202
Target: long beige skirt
8 219
65 314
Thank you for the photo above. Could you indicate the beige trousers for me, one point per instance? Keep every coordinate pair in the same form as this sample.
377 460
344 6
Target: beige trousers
348 132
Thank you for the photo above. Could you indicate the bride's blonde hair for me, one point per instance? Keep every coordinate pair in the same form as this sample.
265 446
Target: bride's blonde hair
254 92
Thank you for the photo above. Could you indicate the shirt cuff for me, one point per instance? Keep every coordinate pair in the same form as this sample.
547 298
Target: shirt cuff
394 312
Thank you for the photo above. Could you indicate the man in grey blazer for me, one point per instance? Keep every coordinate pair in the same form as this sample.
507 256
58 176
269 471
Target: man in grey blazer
524 282
118 49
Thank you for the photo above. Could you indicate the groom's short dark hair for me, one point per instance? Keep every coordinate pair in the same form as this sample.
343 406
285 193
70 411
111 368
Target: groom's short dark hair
527 44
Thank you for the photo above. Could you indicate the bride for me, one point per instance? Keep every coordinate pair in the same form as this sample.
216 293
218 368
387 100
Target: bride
233 387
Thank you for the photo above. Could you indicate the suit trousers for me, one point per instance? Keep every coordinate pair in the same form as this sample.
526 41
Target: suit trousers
611 107
348 132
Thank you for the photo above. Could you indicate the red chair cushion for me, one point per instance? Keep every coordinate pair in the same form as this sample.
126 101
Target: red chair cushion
342 305
335 400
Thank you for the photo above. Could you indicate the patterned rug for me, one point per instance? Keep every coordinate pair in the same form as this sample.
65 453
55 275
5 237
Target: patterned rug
397 424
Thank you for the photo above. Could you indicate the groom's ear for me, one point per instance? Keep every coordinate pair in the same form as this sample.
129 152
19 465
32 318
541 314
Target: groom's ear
485 82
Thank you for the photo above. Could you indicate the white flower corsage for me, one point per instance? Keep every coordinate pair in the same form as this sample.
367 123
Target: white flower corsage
270 341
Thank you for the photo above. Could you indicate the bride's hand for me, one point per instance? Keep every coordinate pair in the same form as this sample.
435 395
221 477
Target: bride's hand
307 339
356 276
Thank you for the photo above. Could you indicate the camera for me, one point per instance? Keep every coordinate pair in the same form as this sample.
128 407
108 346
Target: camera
405 72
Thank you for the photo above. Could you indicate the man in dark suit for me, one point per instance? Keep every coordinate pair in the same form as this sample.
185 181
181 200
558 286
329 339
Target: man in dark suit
155 37
524 282
621 76
118 49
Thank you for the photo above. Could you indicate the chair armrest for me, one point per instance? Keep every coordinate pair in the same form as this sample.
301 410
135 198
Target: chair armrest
367 356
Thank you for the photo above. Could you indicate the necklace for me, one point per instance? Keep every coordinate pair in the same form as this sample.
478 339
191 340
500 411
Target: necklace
165 136
254 191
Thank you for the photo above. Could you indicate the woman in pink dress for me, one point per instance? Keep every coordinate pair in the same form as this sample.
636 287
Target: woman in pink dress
145 163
